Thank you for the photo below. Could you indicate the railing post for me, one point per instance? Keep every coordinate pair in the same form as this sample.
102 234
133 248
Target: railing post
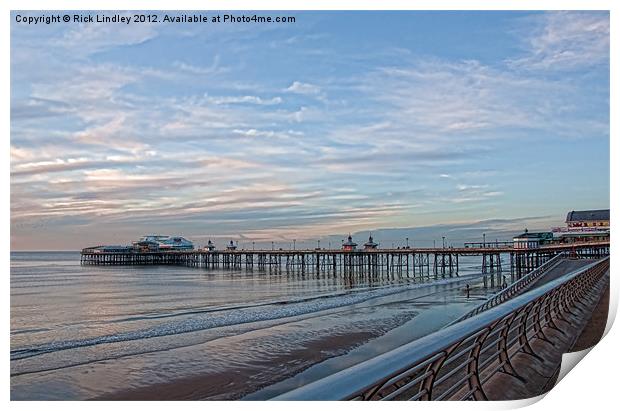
433 370
472 366
524 341
502 344
549 309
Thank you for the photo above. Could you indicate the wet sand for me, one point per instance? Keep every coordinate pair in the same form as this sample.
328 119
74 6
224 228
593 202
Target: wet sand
147 340
235 383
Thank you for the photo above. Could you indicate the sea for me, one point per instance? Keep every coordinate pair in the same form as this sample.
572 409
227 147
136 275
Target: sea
171 332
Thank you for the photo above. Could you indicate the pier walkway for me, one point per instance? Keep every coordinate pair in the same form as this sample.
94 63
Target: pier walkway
496 263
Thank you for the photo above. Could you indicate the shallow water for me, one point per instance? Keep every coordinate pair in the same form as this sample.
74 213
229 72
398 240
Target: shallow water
86 332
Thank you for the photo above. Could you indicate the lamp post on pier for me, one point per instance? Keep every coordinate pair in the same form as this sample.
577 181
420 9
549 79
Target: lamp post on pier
407 240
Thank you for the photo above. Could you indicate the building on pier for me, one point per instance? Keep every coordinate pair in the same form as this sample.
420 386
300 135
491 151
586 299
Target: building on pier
529 240
210 246
587 218
231 246
111 249
146 246
583 236
370 244
349 245
166 242
584 226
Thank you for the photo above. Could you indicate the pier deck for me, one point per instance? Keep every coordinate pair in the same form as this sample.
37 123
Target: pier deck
426 263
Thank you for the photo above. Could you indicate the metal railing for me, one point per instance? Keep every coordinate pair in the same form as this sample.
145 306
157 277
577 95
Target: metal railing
489 244
514 289
456 362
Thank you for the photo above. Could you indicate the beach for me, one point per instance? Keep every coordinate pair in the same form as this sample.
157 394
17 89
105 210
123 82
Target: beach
147 333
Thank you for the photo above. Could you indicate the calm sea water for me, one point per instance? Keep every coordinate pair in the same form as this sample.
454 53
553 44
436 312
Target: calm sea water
81 332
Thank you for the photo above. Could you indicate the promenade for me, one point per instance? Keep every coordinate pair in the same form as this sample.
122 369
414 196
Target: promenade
582 329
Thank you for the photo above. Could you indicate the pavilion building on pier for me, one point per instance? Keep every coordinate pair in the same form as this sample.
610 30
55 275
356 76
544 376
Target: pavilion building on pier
210 246
349 245
370 244
231 246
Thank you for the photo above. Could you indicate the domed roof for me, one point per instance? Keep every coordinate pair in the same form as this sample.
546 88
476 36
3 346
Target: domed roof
370 242
349 242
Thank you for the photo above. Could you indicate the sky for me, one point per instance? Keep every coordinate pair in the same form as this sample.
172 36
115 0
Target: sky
420 124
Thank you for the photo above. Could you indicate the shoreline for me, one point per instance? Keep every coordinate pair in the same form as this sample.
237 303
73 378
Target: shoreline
234 384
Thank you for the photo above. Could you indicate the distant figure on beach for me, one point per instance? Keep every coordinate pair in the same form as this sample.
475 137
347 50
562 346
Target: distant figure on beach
467 289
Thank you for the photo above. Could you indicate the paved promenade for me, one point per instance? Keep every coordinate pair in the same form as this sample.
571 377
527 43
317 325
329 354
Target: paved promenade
538 374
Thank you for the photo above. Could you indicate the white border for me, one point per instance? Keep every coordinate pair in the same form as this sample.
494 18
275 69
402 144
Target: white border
592 385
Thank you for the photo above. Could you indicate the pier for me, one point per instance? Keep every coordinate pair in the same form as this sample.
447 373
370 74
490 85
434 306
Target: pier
496 262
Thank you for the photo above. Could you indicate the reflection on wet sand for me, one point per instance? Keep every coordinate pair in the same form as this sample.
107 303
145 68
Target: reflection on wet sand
173 332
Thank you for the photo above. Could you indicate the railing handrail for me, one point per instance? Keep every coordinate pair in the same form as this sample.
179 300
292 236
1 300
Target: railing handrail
513 289
352 381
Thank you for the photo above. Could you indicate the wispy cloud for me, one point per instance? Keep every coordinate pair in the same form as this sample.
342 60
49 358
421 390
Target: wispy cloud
474 193
303 88
246 100
565 41
237 140
214 69
451 99
86 39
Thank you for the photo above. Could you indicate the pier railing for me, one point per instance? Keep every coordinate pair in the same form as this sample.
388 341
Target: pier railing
456 362
514 289
489 244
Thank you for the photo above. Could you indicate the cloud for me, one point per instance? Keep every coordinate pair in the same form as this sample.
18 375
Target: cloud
116 132
303 88
87 83
455 98
254 133
87 38
120 146
214 69
246 100
297 40
61 165
35 108
464 102
565 41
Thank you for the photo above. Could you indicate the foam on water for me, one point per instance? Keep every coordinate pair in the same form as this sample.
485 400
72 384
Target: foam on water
232 315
